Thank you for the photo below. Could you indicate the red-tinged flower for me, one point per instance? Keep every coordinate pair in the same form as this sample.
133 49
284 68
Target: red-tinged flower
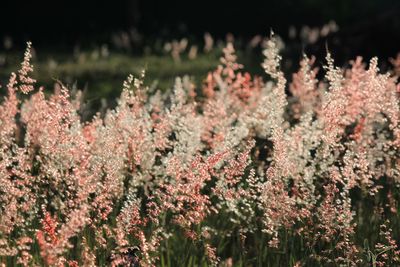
72 263
49 226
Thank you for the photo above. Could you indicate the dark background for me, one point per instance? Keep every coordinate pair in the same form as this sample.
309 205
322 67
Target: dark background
367 27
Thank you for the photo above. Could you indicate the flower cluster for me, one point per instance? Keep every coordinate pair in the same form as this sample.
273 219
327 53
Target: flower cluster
237 160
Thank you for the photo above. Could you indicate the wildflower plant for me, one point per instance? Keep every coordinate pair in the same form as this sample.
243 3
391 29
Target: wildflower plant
245 170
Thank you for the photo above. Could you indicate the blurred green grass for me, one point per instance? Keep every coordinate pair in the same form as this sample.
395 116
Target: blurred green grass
102 77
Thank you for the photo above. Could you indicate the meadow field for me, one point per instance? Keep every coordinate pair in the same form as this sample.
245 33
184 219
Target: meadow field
199 159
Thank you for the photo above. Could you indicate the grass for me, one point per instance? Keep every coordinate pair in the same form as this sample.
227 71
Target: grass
103 76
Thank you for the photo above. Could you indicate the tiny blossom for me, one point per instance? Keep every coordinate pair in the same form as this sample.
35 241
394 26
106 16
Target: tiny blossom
26 68
229 62
304 85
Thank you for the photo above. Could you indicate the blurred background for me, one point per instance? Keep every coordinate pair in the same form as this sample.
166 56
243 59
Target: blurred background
94 45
